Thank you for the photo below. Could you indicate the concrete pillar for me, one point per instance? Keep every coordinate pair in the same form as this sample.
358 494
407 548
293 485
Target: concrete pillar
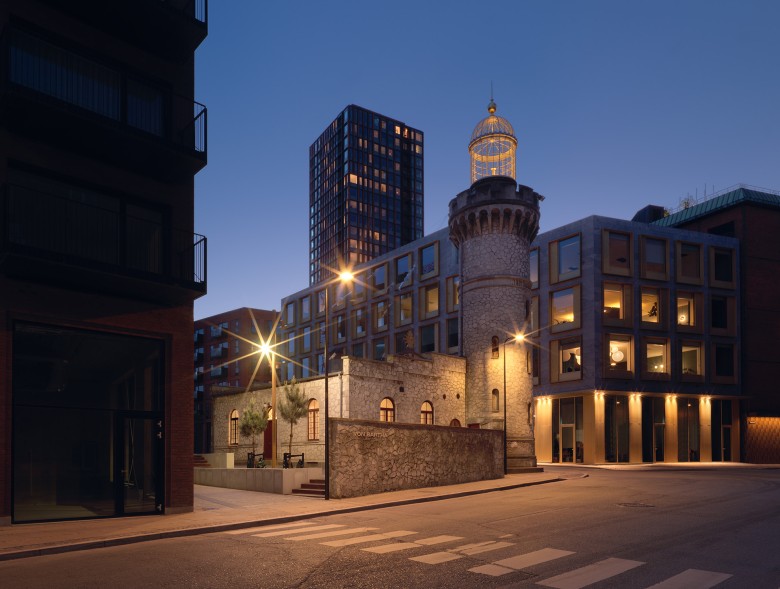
543 429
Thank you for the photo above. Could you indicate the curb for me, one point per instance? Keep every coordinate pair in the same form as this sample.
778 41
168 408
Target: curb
197 531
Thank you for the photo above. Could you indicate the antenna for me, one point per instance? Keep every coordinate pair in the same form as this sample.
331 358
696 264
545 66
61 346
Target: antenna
491 90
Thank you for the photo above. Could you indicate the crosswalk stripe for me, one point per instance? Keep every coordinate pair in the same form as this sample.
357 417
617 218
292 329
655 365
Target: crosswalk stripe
519 562
591 574
487 548
437 557
274 527
523 561
437 540
492 569
692 579
369 538
397 546
298 531
331 533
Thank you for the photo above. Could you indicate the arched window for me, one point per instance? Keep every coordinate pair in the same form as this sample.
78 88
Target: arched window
494 400
455 423
314 420
233 428
426 414
387 410
494 346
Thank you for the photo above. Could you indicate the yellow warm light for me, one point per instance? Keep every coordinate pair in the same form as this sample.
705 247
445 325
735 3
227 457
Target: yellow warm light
519 338
346 276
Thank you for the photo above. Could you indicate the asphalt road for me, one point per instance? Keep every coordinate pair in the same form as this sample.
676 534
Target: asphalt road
627 529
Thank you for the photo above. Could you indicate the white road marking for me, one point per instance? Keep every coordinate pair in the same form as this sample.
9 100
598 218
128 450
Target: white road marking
437 540
369 538
437 557
331 533
590 574
523 561
398 546
274 527
692 579
298 531
492 569
487 548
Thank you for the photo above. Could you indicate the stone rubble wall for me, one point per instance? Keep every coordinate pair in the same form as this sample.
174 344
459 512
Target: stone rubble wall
370 457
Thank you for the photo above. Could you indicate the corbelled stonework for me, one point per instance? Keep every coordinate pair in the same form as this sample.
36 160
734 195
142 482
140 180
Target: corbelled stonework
493 223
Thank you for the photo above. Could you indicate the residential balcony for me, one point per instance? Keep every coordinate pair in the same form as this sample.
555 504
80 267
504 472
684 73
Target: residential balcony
170 28
112 247
57 96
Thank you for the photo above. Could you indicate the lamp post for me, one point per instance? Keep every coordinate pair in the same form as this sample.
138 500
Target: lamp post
343 277
515 338
268 350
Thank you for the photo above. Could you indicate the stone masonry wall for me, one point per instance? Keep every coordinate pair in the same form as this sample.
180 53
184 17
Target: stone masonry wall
373 457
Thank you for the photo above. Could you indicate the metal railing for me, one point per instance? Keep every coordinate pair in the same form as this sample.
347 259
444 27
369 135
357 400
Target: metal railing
103 236
63 75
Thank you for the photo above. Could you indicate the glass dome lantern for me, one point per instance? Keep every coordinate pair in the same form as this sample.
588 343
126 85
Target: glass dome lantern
493 147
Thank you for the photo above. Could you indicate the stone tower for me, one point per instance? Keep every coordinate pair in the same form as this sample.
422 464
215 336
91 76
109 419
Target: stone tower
493 224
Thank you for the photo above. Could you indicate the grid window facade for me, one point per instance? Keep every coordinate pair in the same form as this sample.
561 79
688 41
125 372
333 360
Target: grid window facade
365 190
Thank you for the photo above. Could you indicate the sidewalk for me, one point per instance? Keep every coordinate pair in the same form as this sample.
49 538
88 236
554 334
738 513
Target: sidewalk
217 509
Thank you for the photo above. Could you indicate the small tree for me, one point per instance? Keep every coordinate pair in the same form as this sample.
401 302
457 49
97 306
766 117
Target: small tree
254 420
293 406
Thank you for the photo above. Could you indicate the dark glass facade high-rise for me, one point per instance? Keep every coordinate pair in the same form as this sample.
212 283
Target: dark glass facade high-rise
365 190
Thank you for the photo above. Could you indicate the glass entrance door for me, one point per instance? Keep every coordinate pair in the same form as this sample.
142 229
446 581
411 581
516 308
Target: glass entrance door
138 459
567 443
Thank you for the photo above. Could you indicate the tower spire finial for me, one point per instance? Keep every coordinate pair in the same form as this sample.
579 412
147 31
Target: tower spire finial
492 105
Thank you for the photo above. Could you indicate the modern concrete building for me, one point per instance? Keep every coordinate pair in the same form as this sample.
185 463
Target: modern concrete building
634 349
365 190
100 139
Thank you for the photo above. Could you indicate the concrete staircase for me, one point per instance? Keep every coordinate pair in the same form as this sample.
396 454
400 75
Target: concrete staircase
314 488
199 462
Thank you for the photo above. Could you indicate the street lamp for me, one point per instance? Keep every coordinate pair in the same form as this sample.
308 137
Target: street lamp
517 338
267 350
344 278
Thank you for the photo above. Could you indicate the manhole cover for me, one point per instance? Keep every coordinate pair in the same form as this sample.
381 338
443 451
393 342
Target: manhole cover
634 505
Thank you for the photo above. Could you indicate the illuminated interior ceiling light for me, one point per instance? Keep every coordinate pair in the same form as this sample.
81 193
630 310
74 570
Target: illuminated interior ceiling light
682 319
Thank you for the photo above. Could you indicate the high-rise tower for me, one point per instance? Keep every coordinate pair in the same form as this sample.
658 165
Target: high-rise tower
365 190
493 224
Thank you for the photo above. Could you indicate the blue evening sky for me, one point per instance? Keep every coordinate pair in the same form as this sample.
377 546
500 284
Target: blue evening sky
615 105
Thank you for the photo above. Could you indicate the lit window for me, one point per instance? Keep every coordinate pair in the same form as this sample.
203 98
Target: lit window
426 414
686 310
562 309
691 359
233 428
405 308
569 359
651 305
387 410
430 301
619 354
453 293
614 305
656 360
314 420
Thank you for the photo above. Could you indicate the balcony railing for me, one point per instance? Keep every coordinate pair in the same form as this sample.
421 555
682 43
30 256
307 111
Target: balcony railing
102 235
35 65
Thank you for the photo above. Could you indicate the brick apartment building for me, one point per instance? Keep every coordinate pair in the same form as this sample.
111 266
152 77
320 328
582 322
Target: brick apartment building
100 139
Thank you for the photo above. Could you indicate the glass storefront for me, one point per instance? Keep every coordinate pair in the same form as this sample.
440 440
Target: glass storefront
87 424
567 435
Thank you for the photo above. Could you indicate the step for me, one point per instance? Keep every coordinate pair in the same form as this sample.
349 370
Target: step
313 486
309 492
